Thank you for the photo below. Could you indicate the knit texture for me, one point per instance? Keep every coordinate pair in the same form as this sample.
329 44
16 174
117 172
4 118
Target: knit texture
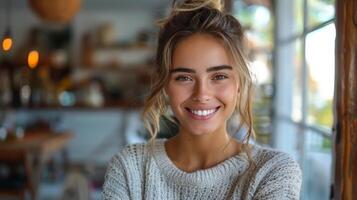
137 172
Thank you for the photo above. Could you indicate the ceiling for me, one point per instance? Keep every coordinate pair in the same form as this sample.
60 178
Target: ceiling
101 4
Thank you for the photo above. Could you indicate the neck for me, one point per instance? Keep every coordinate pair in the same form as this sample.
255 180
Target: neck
190 152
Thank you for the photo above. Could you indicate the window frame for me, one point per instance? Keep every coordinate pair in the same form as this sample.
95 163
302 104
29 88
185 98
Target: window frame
302 128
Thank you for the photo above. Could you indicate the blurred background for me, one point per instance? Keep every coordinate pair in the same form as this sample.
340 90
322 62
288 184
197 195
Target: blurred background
74 75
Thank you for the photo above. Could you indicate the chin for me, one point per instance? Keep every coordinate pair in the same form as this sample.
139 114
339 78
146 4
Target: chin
201 131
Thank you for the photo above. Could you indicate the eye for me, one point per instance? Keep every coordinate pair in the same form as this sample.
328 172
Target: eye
219 77
183 78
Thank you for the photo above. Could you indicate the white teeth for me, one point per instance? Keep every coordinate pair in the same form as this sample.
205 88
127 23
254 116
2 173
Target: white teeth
203 112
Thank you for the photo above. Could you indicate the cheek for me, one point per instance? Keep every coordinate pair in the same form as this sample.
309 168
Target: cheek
228 94
177 95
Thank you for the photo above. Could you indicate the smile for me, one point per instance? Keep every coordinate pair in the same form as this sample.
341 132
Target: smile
202 113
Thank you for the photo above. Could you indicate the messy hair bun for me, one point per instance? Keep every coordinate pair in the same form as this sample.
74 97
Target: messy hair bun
190 5
180 6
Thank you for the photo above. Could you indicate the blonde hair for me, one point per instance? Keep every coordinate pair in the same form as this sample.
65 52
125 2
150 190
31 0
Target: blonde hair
194 5
187 18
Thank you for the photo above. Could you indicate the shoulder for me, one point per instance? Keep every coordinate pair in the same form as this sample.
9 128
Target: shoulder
276 174
136 154
130 154
123 169
276 160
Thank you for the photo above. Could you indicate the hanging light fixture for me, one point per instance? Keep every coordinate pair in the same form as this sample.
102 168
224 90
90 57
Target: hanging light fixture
56 11
7 40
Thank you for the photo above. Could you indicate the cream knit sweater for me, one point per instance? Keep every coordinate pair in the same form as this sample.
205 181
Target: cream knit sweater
138 173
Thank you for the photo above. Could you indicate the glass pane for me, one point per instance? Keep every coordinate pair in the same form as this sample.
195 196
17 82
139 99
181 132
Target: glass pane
320 11
256 18
298 16
262 75
317 167
320 57
261 68
257 21
296 113
287 138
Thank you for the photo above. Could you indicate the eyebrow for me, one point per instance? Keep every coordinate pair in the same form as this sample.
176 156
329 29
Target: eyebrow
210 69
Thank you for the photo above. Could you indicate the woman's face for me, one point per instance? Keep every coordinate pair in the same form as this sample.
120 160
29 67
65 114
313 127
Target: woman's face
203 85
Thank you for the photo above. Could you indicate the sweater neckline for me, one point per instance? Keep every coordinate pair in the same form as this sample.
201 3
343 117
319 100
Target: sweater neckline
225 171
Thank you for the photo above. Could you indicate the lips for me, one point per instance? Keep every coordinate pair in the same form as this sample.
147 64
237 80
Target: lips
202 113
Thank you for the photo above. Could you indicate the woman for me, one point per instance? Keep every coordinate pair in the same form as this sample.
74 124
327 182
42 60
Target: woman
203 78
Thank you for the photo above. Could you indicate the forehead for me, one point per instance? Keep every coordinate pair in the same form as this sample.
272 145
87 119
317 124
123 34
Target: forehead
200 51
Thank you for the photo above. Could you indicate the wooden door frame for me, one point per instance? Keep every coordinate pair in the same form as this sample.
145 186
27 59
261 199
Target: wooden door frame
345 115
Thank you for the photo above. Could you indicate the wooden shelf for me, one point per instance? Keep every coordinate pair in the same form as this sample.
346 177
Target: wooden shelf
118 105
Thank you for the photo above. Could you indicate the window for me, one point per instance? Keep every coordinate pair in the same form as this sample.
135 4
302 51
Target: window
291 49
304 85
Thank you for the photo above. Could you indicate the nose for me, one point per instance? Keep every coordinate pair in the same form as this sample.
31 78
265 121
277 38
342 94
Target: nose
202 92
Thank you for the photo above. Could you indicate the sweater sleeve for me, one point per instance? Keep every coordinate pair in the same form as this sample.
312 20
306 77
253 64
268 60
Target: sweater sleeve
282 181
115 184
